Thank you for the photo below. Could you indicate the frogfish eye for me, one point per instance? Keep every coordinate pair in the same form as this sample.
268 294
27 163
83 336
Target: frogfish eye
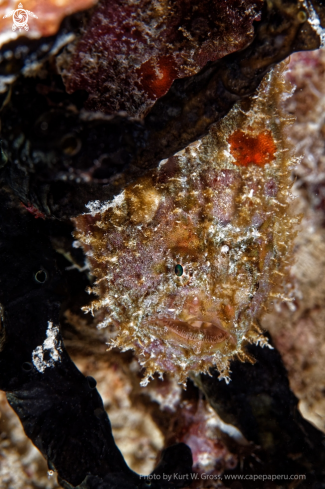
179 270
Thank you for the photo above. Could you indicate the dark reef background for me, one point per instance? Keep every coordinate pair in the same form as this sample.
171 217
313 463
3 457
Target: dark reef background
90 99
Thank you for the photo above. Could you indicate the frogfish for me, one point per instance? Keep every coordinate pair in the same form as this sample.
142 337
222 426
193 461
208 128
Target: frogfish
186 257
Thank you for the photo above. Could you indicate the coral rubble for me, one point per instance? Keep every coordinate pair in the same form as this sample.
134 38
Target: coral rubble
198 426
186 256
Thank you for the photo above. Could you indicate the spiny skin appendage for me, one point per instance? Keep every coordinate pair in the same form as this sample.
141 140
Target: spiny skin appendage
186 256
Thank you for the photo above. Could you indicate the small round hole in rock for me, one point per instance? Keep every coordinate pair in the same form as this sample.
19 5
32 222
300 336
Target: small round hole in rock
99 412
70 145
41 276
27 366
92 382
302 16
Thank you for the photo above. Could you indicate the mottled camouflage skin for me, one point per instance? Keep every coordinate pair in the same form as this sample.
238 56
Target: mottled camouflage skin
219 208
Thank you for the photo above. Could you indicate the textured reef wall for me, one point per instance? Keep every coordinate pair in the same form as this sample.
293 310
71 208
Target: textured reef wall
298 331
69 157
131 52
